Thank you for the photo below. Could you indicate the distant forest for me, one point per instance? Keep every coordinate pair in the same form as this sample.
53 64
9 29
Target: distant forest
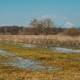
19 30
42 27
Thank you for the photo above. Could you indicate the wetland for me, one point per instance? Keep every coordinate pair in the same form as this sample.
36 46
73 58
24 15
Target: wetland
31 60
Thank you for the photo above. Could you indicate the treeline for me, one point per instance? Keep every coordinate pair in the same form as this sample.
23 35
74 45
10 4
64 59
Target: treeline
16 30
42 27
10 29
72 31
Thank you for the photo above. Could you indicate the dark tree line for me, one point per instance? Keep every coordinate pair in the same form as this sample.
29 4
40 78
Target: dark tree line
42 27
16 30
10 29
72 31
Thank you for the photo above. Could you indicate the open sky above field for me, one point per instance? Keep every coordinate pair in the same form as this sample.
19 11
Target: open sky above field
65 13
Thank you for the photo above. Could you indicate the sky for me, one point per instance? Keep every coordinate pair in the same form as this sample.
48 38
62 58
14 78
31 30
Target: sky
64 13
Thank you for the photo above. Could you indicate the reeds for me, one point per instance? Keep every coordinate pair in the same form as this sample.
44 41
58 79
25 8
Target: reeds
53 40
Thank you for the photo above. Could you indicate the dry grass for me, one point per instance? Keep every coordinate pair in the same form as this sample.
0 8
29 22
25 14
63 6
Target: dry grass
17 74
39 39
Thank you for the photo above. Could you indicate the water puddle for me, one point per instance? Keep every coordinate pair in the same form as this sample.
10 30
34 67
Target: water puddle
56 49
25 63
30 64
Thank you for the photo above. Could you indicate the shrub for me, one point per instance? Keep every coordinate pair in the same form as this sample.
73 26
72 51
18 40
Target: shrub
72 32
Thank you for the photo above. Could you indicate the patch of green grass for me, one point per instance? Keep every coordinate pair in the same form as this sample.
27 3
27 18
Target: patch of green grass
70 62
57 59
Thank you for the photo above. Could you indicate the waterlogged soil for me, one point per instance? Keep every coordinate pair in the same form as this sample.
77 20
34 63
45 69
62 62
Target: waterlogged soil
14 60
56 49
30 64
24 61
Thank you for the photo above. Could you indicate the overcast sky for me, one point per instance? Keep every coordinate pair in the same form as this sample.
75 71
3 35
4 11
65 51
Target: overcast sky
64 13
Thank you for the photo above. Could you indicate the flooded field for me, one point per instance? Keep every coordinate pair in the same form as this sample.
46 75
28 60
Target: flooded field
26 60
57 49
16 61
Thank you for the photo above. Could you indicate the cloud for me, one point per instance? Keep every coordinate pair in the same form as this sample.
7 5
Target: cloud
68 25
49 16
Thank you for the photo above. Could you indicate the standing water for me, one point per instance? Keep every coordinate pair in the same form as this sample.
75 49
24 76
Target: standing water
25 63
30 64
56 49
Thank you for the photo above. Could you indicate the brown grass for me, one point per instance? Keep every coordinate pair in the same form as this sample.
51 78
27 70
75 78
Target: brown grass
17 74
39 39
70 71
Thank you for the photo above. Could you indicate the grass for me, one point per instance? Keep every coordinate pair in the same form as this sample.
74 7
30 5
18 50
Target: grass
63 40
70 62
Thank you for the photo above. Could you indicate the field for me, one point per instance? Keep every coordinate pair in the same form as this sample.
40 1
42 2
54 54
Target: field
69 62
52 40
39 40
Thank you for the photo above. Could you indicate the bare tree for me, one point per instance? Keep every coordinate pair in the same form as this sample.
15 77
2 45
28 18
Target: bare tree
33 23
46 23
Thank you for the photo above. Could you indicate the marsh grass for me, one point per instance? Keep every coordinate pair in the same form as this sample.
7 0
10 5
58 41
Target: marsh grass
69 62
50 40
4 59
8 72
42 55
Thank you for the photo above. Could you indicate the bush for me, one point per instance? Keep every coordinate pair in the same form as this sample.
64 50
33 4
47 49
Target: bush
72 32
